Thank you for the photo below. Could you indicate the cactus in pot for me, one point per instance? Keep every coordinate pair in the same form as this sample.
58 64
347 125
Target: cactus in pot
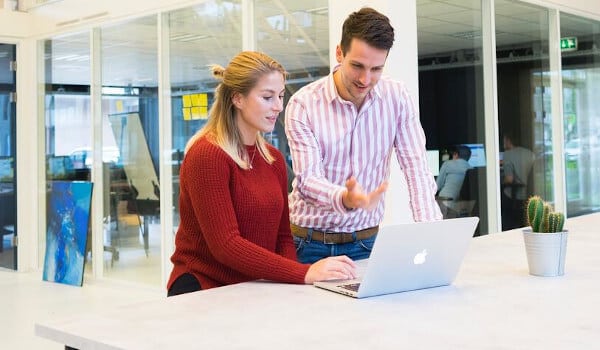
546 241
541 216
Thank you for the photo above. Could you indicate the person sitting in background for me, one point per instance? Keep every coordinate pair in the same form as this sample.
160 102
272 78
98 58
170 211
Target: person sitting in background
452 173
233 199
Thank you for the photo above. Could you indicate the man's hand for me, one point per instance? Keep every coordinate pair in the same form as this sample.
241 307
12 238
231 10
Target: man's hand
355 196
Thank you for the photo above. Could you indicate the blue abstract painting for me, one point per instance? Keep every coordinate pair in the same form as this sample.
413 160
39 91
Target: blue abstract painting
68 215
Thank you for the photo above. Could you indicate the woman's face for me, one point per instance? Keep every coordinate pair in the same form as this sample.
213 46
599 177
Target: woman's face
258 111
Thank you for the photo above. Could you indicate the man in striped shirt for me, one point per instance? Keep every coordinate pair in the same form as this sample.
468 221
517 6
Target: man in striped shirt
342 131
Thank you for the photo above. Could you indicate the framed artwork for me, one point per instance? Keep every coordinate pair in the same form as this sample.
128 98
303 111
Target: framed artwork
68 216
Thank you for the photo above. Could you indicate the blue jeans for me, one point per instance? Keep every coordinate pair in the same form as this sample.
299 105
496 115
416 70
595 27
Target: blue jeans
310 251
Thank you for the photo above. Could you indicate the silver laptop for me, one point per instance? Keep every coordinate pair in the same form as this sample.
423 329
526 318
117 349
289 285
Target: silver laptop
410 256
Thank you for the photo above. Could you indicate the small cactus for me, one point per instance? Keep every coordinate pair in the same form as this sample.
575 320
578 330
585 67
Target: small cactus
556 222
541 216
535 213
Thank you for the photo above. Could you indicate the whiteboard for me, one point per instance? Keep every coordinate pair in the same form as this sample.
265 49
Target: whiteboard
135 154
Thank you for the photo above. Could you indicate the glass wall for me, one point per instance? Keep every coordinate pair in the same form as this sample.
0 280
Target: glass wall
451 103
581 112
200 35
8 178
524 107
205 34
131 136
68 120
295 33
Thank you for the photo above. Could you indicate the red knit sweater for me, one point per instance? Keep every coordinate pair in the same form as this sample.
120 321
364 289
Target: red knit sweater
234 223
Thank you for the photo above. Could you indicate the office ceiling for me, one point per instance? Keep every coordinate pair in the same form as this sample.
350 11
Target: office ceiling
443 25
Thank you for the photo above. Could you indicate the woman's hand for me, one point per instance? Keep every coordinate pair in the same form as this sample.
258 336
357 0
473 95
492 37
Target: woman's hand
331 268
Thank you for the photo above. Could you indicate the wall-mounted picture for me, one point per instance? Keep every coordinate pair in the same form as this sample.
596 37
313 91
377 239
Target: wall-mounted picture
68 213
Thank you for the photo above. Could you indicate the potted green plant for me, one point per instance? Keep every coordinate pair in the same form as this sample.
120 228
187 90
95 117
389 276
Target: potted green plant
545 239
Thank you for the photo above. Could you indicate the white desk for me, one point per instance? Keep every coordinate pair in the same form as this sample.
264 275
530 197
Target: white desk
493 304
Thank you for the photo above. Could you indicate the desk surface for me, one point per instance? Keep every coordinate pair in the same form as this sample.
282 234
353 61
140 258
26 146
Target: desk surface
494 303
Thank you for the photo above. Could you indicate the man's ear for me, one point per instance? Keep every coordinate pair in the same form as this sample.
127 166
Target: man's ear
339 55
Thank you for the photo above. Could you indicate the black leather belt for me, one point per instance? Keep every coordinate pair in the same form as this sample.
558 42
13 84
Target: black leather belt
334 237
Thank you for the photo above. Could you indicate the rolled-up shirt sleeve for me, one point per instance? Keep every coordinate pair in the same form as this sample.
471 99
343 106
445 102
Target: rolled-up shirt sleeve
307 161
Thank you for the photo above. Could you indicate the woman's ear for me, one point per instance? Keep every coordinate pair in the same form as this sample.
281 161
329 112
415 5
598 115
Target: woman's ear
238 100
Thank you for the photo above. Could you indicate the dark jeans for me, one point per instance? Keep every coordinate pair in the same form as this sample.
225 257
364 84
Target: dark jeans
513 213
185 283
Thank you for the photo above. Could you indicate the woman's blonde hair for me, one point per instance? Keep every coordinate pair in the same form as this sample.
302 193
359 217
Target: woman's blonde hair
240 76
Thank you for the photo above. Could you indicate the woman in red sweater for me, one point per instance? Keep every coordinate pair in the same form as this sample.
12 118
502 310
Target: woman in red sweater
233 204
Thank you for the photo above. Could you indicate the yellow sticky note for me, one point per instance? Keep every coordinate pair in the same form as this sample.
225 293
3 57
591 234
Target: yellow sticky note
202 99
195 100
187 114
187 101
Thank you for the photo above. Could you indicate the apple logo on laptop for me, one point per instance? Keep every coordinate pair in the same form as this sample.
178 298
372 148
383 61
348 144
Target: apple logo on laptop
420 257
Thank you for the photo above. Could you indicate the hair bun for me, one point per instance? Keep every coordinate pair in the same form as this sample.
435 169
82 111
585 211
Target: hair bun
217 71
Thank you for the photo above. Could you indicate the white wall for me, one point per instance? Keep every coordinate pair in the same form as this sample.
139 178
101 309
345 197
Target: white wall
68 15
14 25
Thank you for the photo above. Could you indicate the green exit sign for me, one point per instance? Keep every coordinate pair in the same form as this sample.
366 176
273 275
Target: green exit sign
568 44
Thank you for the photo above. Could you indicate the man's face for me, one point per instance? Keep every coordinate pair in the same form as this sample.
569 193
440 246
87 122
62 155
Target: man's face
360 69
506 143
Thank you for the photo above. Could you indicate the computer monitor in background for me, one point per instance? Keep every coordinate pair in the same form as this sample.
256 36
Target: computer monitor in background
59 167
6 169
477 159
433 160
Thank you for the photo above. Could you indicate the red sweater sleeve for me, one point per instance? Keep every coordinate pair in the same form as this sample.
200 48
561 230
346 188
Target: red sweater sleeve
241 216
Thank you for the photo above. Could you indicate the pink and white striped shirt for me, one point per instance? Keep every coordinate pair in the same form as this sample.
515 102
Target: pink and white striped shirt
330 141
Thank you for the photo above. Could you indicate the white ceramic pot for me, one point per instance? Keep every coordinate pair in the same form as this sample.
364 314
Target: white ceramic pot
545 252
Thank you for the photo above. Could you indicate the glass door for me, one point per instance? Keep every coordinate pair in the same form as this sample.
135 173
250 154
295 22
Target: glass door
8 176
524 107
581 114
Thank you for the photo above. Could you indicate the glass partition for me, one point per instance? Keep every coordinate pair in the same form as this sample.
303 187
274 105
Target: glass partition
524 107
295 33
130 139
208 33
68 119
581 112
8 178
451 101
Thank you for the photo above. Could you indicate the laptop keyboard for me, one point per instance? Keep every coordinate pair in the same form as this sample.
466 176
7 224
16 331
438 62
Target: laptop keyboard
351 286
